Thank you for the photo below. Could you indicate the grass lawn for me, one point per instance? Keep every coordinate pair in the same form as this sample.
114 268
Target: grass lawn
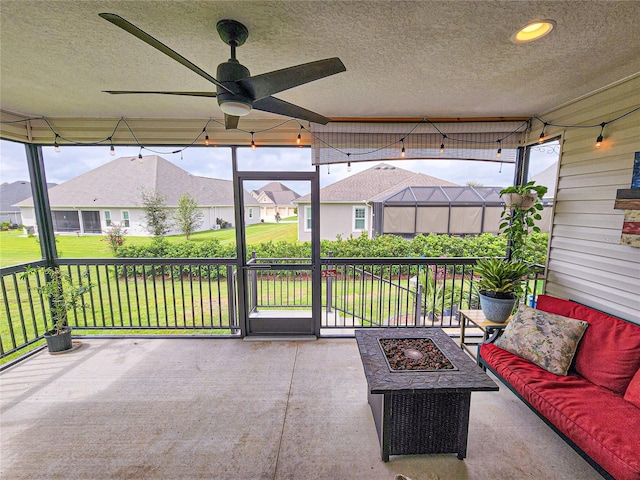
15 248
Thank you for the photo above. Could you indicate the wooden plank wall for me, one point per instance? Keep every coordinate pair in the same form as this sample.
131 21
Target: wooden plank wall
586 261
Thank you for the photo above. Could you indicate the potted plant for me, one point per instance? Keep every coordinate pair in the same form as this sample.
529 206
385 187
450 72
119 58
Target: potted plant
64 295
501 279
518 219
499 287
522 197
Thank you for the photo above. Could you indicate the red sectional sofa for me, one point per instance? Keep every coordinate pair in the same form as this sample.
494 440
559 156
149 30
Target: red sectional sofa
596 407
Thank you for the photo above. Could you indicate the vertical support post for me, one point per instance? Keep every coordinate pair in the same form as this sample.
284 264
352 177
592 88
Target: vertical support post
316 274
241 247
41 204
520 178
329 286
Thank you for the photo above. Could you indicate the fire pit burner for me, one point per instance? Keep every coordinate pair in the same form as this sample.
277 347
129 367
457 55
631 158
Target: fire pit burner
414 354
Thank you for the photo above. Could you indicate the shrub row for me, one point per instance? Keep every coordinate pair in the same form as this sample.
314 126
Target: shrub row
436 246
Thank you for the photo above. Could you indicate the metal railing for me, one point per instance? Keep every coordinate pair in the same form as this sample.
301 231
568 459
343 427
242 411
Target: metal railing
191 296
199 296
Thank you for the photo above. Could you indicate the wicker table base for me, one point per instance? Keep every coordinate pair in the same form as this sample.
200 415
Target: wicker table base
420 412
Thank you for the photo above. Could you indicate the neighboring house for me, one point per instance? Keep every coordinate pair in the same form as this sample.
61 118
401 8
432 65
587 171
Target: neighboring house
347 205
91 202
10 194
275 198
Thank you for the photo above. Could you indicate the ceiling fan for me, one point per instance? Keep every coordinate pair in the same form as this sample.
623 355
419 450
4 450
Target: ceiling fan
237 91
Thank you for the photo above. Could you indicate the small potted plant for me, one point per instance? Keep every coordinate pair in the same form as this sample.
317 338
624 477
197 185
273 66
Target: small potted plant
64 295
499 287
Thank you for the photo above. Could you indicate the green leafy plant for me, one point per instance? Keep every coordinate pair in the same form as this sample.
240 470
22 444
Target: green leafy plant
187 216
156 212
114 235
501 278
63 293
518 219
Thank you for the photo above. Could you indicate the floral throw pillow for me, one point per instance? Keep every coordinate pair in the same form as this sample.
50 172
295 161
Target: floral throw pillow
546 339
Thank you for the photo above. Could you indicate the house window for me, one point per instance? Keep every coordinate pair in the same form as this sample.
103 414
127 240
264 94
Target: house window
125 219
307 219
359 219
107 218
250 212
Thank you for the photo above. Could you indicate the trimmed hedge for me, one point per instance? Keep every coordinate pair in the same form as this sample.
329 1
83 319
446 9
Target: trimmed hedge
435 246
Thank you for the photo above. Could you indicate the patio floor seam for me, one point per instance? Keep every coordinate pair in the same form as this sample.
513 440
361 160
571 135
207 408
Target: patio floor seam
286 410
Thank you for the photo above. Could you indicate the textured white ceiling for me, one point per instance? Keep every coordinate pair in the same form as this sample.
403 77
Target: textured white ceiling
403 59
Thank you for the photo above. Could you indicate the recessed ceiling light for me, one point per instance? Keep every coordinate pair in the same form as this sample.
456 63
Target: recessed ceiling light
533 31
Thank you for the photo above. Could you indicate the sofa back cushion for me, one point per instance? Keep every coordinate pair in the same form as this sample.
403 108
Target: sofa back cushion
556 305
632 395
609 353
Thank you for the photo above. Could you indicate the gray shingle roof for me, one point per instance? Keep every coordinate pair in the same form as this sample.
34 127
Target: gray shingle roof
119 183
12 193
374 183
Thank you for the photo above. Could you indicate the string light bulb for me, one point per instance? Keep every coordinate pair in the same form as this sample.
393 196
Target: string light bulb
499 152
56 147
542 134
253 143
348 166
600 138
299 138
112 151
140 155
206 139
442 144
402 152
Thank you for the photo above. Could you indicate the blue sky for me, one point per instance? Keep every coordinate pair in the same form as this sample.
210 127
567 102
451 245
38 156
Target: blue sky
216 163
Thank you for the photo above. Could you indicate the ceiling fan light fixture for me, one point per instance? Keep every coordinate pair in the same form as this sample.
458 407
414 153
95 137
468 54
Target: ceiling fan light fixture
237 109
533 31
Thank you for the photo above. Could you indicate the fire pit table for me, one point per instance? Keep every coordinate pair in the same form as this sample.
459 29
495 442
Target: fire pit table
419 395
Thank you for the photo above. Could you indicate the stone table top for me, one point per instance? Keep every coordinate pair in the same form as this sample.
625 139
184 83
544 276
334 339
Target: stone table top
467 376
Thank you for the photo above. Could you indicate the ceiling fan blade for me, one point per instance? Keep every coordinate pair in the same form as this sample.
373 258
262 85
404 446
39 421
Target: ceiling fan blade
265 85
230 121
275 105
186 94
118 21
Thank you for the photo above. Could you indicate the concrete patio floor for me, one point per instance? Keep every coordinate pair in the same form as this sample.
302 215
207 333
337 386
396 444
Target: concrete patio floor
232 409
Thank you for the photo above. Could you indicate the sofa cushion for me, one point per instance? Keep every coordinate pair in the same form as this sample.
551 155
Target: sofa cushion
556 305
632 395
601 423
609 353
546 339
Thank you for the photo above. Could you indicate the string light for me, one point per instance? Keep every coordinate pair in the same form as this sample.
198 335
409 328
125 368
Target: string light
140 154
123 120
499 152
299 139
542 135
206 136
348 166
402 152
600 137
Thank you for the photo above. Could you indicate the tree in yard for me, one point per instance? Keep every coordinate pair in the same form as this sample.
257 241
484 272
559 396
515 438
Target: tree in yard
187 217
156 213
